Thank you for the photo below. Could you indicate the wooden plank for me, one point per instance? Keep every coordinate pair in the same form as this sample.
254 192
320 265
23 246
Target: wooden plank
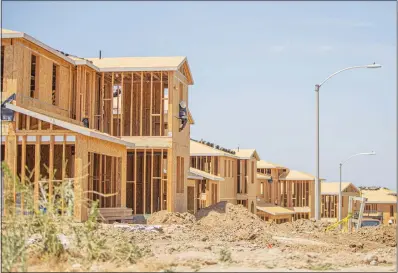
113 82
37 174
63 175
104 187
102 101
51 170
112 178
122 109
100 179
142 99
131 103
135 181
161 105
23 171
144 181
151 107
78 87
152 182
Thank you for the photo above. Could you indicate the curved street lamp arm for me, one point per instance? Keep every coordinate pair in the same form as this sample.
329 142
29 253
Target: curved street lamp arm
348 68
356 155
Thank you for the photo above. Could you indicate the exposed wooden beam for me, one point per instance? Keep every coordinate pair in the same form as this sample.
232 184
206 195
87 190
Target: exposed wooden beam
142 99
122 109
51 170
131 104
113 82
151 107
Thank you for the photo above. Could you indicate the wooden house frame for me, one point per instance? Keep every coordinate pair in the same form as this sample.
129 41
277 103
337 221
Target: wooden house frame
330 199
284 194
236 168
112 102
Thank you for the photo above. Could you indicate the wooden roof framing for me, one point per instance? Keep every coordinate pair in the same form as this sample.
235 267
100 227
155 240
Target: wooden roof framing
117 64
69 126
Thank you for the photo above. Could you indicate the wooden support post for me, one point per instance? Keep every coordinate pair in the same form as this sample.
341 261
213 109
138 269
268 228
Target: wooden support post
81 179
131 103
51 170
27 122
63 175
161 105
105 191
123 179
39 125
113 82
122 109
135 181
161 179
170 177
142 99
144 182
23 170
70 92
100 188
152 180
37 173
150 107
112 179
102 114
78 97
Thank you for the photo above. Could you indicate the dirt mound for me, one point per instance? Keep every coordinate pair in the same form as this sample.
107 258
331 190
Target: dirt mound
165 217
227 222
382 234
301 226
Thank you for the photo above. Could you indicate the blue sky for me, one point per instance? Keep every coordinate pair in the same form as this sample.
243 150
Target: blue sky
255 65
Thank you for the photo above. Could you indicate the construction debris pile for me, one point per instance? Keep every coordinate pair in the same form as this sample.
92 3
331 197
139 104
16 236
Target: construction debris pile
226 222
165 217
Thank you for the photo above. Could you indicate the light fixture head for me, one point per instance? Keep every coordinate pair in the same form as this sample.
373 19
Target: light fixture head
374 65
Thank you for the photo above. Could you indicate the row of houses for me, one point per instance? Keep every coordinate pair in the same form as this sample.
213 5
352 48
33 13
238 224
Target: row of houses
118 131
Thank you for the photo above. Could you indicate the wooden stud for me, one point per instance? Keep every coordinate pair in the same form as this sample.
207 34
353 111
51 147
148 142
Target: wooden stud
63 172
100 189
51 169
23 171
70 92
27 122
144 181
161 105
113 82
122 109
104 201
150 107
135 181
37 173
102 114
142 98
152 182
161 180
112 178
131 103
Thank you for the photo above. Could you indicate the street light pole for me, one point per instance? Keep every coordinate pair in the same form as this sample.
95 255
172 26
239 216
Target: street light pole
317 183
340 191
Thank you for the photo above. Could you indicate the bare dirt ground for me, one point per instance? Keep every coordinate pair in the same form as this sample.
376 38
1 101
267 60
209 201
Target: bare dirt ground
228 238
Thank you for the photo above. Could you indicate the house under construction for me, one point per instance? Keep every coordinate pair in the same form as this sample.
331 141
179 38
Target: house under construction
117 128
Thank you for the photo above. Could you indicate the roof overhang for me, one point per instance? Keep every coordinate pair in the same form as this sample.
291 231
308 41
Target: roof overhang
88 63
194 176
69 126
209 154
205 175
